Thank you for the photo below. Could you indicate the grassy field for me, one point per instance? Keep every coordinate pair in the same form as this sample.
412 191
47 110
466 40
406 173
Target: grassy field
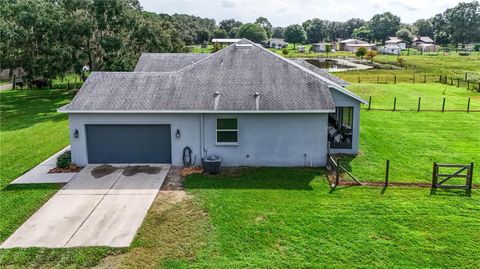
407 94
413 141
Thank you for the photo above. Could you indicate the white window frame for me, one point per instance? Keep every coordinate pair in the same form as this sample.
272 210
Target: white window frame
226 130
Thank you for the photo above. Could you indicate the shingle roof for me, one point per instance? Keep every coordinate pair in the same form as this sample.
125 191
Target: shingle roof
321 72
236 72
425 39
166 62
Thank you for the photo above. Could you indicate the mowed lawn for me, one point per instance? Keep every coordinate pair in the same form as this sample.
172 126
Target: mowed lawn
287 218
413 141
407 95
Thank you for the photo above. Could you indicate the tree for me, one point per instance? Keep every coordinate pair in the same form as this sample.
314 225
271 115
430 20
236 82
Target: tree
353 24
228 25
220 33
203 35
295 34
384 25
371 54
234 32
253 32
464 22
328 49
262 21
405 35
362 51
278 32
441 30
363 33
423 27
315 31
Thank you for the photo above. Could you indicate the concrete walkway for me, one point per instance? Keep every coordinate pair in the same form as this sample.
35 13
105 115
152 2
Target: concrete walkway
103 205
39 174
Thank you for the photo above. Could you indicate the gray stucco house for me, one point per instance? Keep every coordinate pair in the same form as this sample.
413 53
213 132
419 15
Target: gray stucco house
231 103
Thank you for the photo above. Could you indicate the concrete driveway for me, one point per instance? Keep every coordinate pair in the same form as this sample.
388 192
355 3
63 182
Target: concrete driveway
103 205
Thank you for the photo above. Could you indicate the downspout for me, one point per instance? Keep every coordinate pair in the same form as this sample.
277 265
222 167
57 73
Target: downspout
202 137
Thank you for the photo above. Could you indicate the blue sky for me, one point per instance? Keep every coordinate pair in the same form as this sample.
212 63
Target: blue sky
285 12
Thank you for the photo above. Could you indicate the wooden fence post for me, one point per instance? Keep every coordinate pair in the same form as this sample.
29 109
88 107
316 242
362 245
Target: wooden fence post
413 78
443 105
424 78
466 76
387 172
468 85
395 79
440 79
434 175
370 102
337 172
468 105
458 82
470 177
358 79
395 103
451 81
419 101
14 80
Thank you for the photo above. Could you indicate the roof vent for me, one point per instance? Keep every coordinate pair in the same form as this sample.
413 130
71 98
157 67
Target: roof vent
216 97
243 46
257 100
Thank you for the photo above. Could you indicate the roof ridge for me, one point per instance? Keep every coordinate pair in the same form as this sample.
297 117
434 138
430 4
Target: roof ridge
335 85
212 55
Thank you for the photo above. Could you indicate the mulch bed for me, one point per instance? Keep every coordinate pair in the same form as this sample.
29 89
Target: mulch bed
70 169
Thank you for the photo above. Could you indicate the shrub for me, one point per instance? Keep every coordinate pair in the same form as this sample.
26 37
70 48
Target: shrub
477 47
371 54
361 52
64 160
284 51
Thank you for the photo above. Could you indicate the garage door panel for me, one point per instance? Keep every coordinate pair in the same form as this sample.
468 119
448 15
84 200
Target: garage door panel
128 143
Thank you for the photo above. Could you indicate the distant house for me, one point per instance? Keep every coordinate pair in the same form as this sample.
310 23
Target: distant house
277 43
390 49
321 47
395 41
225 40
246 104
422 40
424 44
352 45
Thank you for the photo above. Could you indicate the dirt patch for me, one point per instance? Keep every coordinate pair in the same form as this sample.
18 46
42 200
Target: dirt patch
70 169
186 171
103 170
173 180
136 169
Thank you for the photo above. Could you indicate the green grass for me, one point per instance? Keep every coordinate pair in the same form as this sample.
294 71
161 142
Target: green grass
407 94
412 142
287 218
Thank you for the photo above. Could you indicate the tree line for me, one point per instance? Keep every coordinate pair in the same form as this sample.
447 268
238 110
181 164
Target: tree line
49 38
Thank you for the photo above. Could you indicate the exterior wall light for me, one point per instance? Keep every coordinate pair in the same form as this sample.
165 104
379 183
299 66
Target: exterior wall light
177 133
75 133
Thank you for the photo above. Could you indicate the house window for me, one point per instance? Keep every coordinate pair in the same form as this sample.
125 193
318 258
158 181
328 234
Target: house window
227 131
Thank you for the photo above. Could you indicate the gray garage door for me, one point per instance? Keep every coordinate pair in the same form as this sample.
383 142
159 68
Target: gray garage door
128 143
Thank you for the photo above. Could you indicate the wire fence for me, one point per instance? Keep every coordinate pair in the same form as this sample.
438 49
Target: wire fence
470 81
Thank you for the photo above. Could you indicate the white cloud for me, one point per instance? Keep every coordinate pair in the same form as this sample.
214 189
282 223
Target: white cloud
285 12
